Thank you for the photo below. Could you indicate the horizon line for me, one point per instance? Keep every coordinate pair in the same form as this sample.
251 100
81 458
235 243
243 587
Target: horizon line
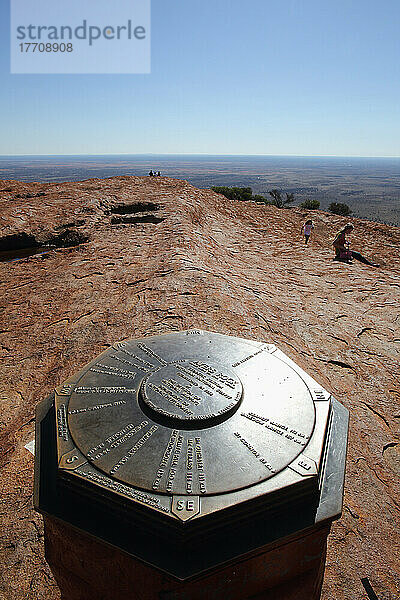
206 154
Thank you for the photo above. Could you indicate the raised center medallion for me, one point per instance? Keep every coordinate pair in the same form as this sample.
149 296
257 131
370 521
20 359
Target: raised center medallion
192 391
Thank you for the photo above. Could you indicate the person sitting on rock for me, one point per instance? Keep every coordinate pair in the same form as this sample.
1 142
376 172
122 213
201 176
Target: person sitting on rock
342 248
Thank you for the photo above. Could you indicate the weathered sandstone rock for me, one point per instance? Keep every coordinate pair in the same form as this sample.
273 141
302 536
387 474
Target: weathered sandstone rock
141 256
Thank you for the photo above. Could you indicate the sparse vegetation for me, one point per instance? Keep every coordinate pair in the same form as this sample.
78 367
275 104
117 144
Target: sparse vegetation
246 193
236 193
339 208
278 200
310 204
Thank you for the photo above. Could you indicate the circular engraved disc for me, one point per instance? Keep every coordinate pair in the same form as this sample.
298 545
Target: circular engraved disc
190 414
194 391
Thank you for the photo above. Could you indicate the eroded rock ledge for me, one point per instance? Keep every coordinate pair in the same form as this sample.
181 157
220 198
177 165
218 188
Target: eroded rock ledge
139 256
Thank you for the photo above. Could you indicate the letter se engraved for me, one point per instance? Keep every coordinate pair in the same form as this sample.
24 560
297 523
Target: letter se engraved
189 505
185 508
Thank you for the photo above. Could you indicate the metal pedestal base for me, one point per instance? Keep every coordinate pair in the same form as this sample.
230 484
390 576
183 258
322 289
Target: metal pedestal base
87 568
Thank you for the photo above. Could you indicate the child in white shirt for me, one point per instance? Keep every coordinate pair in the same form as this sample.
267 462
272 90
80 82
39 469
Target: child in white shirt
307 229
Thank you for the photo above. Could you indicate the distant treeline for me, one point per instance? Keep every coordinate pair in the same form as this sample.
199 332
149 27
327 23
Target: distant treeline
276 198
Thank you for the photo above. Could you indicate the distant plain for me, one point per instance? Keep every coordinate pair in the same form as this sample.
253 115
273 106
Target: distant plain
370 186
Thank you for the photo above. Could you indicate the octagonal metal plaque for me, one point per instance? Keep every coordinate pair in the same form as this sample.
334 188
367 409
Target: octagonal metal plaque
192 422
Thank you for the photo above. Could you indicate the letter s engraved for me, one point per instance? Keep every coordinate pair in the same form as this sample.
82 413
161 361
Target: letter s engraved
71 459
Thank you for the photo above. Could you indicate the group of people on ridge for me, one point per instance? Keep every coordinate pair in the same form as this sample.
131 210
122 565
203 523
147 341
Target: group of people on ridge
155 174
340 243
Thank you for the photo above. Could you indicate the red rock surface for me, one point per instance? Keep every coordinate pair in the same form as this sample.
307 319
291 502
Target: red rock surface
197 260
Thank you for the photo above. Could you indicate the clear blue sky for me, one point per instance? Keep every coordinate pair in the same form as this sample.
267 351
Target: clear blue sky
302 77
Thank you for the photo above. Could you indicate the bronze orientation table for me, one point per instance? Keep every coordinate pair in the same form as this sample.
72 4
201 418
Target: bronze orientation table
187 466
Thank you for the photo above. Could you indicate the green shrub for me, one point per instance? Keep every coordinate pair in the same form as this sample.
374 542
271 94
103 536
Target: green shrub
339 208
278 200
310 204
237 193
234 193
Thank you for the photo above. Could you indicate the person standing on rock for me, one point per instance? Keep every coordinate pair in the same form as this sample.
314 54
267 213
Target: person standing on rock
307 230
342 248
151 174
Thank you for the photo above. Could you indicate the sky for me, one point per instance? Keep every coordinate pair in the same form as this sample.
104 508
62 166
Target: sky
278 77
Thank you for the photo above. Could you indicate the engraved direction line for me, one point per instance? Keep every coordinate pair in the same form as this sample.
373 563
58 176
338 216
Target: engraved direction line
105 389
122 489
109 370
151 352
193 462
283 430
174 463
189 465
246 358
75 411
141 367
115 440
62 426
200 465
254 452
134 449
144 364
165 459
